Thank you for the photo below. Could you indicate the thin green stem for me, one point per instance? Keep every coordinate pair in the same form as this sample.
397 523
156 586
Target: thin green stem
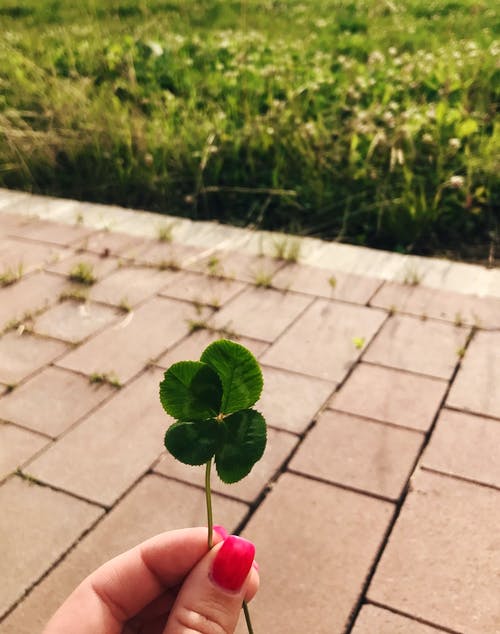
247 618
208 498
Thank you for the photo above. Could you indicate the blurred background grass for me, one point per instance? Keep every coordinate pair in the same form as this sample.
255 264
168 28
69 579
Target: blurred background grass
366 121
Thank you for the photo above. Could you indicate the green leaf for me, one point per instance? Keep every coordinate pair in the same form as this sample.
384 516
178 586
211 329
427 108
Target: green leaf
242 446
194 443
191 391
239 372
467 127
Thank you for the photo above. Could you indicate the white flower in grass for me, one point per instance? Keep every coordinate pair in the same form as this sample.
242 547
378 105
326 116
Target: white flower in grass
454 143
456 182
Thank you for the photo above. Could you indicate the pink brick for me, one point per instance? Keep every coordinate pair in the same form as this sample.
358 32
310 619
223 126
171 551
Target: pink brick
31 294
52 401
375 620
100 266
50 231
442 560
326 283
131 285
51 523
318 542
236 265
476 386
439 304
105 243
465 446
358 453
425 346
21 355
16 447
391 396
192 287
126 347
157 253
154 505
102 456
22 257
322 342
260 313
74 321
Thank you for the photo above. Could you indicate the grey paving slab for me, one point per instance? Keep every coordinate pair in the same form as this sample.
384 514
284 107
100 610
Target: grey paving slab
279 447
442 560
359 453
52 401
475 387
152 506
124 348
17 445
74 321
391 396
425 346
51 523
325 552
326 340
108 451
376 620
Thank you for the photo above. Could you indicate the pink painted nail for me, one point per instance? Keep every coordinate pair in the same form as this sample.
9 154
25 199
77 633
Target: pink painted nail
220 530
233 562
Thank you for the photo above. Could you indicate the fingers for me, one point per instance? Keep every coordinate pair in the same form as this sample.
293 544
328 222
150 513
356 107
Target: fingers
211 597
122 587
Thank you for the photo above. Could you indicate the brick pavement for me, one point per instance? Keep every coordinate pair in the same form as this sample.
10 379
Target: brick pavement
376 507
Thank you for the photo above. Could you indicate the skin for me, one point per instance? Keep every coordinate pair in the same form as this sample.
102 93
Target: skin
162 586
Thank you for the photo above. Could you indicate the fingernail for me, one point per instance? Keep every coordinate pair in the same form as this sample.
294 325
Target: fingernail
220 530
233 562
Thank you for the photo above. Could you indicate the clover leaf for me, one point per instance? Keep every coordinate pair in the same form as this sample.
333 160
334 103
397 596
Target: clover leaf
211 400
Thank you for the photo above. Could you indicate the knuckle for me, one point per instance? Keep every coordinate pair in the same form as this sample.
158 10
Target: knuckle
195 622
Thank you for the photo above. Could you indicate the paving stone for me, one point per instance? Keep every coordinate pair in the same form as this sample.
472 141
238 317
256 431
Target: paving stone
102 456
29 295
153 506
424 346
289 400
442 560
318 542
375 620
326 283
162 254
322 342
20 257
21 355
50 231
260 313
131 285
105 243
3 389
279 446
455 307
391 396
74 321
204 289
125 348
358 453
466 446
191 348
475 387
100 266
8 221
236 265
51 522
52 401
16 447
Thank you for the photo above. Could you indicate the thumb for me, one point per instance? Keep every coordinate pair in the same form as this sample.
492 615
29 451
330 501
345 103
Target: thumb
210 599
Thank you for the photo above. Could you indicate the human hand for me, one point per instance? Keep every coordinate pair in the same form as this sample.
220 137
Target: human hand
170 584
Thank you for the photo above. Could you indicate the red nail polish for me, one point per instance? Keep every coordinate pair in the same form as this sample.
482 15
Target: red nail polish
233 562
220 530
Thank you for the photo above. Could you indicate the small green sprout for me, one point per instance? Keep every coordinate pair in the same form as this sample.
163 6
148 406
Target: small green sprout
359 342
165 233
287 249
461 352
75 294
82 273
332 281
105 378
212 403
11 275
214 266
459 320
263 279
168 265
124 305
197 324
412 277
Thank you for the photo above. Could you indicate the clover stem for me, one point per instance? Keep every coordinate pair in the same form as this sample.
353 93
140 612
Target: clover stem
247 618
208 498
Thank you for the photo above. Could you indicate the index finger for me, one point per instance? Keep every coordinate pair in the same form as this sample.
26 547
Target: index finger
123 586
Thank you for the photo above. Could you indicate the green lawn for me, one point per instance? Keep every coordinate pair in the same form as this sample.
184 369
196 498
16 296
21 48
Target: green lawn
366 121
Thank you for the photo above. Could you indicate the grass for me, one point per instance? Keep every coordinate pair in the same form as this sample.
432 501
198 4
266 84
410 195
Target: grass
104 378
82 273
375 125
10 276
